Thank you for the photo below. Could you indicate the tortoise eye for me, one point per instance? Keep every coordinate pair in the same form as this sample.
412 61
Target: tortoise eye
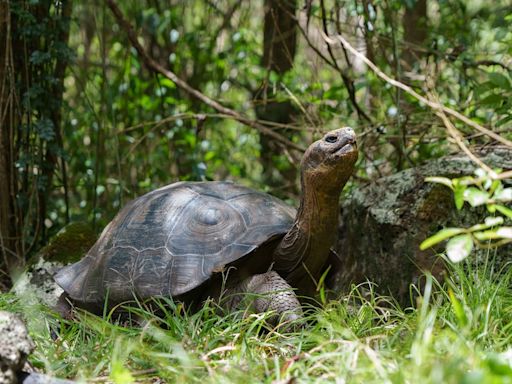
331 139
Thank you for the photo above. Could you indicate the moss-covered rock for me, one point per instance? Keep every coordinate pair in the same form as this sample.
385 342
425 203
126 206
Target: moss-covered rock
384 222
69 244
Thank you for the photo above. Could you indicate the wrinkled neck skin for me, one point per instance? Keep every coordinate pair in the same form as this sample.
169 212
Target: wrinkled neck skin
303 252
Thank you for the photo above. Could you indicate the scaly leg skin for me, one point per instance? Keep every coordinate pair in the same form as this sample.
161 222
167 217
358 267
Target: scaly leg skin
64 307
266 292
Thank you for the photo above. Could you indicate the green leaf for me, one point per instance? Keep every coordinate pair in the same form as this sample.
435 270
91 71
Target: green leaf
489 222
38 57
475 196
458 195
165 82
457 309
499 365
503 121
499 80
45 129
504 232
321 286
495 186
490 234
504 210
492 99
440 180
120 374
494 234
443 234
459 247
465 180
209 155
492 221
504 194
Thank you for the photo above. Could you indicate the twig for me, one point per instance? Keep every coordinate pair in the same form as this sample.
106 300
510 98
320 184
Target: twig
488 63
347 81
505 175
190 115
434 105
458 140
153 65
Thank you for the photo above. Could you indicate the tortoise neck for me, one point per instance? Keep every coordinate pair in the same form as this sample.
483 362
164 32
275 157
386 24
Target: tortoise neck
304 250
317 215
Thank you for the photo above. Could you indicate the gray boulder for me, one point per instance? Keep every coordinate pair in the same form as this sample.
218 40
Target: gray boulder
384 222
15 346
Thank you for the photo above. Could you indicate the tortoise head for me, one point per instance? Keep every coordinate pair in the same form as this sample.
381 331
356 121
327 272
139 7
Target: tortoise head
328 163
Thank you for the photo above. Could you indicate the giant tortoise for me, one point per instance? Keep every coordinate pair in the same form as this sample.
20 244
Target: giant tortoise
193 240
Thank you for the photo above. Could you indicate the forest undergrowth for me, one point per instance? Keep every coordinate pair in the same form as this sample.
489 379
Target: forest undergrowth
457 331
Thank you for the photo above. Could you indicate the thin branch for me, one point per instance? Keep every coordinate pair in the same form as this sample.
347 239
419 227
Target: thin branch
349 83
487 63
347 80
432 104
457 136
505 175
153 65
190 115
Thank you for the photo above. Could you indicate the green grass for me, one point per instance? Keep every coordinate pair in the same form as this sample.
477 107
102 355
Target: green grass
459 332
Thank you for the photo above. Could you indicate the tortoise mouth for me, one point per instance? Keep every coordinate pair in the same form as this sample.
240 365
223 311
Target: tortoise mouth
347 145
347 148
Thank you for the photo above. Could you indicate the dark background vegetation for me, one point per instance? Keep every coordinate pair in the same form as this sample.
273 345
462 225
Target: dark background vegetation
86 124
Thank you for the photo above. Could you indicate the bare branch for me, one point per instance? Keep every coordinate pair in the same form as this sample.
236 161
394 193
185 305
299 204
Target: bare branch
456 135
347 80
349 83
156 67
488 63
432 104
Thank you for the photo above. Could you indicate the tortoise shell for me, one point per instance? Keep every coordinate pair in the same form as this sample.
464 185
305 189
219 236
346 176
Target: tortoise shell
172 240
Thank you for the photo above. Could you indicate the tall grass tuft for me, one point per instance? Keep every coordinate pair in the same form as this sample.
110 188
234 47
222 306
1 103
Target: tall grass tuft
458 331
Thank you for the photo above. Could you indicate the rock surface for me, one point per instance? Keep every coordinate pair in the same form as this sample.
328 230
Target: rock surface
37 378
15 346
384 222
70 244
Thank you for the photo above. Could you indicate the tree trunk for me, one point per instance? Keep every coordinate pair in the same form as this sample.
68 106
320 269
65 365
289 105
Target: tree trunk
415 32
56 91
279 46
8 227
30 126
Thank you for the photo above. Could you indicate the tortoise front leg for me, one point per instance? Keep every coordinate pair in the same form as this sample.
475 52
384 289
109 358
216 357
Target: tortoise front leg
266 292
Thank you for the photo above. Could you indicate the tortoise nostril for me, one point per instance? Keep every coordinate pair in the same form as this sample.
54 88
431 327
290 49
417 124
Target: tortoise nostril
331 139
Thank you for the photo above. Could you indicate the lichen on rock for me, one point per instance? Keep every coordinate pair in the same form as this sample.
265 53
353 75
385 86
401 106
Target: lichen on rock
383 223
15 346
70 244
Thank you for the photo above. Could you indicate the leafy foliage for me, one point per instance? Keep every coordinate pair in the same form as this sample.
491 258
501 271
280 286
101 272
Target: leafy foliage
126 130
479 190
